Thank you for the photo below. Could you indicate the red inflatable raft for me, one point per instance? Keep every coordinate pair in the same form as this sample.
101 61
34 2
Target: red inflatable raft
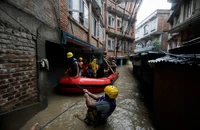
94 85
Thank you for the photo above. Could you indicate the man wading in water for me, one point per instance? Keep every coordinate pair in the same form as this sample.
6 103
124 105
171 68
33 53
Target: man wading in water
103 107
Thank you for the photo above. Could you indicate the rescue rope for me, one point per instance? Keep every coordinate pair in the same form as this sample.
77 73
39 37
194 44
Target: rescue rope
76 84
59 115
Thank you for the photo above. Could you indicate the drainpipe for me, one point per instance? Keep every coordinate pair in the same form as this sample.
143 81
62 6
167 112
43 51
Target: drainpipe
105 23
59 14
89 23
162 33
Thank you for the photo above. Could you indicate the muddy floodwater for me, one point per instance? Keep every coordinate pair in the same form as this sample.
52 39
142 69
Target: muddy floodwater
130 113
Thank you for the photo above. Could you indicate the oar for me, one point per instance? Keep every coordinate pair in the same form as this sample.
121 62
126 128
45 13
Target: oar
109 65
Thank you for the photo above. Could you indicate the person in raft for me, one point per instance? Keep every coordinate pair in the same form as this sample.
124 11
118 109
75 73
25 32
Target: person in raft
104 106
80 63
72 66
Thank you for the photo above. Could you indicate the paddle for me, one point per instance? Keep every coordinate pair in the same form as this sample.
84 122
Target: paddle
109 65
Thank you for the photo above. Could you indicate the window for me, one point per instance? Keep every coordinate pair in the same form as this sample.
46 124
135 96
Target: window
125 46
75 6
145 29
122 4
125 26
95 27
119 22
101 5
85 22
110 43
119 44
132 28
111 20
153 24
189 9
101 34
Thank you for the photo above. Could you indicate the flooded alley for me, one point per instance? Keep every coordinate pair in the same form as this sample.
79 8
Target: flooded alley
130 113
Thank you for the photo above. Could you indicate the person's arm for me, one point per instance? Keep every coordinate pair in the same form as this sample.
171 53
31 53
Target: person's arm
88 102
34 127
94 96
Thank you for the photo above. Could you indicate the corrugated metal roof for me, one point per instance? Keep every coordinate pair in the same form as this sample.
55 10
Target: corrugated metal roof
189 59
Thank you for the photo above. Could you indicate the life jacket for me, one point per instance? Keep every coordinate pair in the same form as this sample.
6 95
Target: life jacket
80 64
72 71
94 115
75 61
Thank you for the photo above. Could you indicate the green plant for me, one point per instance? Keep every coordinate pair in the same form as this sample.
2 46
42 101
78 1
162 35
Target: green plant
156 45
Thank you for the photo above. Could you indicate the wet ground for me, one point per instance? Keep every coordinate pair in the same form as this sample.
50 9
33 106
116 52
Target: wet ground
130 113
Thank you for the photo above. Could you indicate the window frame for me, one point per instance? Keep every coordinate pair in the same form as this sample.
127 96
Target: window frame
145 29
71 6
85 16
119 24
112 42
112 18
120 43
125 46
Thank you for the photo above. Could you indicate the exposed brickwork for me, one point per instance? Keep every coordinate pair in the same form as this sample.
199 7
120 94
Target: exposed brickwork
17 69
164 44
63 15
162 24
77 30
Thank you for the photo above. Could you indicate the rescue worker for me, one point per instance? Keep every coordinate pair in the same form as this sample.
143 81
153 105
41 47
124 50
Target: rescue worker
90 72
112 64
80 63
105 55
101 71
94 66
104 106
72 65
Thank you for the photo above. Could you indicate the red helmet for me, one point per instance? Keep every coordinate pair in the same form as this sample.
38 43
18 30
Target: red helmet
111 57
105 52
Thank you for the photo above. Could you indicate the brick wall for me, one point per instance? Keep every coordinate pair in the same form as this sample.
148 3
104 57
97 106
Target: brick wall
78 30
63 15
162 23
17 69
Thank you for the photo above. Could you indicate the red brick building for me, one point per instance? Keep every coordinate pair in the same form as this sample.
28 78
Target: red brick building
120 29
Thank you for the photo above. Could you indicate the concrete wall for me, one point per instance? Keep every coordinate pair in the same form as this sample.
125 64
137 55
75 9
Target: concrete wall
156 27
46 10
